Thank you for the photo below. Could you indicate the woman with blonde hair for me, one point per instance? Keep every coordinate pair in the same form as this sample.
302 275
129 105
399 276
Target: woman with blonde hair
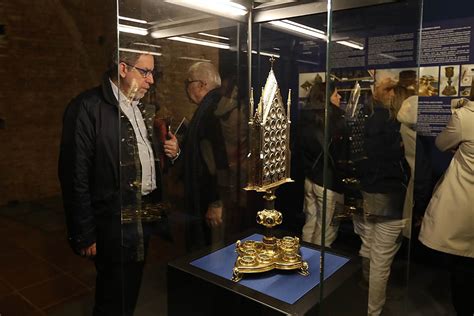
312 124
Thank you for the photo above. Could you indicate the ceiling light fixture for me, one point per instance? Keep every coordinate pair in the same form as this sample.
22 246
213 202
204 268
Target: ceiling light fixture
224 8
196 41
132 29
138 51
194 59
214 36
299 29
192 40
308 62
388 56
267 54
351 44
147 44
132 20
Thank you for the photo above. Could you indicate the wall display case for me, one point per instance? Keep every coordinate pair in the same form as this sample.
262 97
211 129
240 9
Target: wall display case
353 68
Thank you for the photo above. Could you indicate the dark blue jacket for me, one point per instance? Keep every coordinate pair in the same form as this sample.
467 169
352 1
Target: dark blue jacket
200 179
99 175
312 140
384 170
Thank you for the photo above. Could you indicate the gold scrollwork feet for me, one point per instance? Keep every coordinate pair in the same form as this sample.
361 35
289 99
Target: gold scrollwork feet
236 275
304 270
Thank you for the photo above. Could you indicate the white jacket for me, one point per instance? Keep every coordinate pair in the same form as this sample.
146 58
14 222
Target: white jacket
448 224
407 116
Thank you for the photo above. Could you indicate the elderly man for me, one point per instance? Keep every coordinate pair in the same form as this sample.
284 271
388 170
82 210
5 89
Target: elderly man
109 175
204 153
383 181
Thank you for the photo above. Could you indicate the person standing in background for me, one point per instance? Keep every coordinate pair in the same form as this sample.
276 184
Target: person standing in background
312 144
383 186
204 152
448 224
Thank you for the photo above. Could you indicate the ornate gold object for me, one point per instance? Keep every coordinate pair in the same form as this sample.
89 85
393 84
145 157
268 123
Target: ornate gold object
269 161
268 254
269 218
425 88
449 89
147 213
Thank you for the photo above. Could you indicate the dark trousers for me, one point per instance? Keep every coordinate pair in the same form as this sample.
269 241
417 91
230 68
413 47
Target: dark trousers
462 284
117 288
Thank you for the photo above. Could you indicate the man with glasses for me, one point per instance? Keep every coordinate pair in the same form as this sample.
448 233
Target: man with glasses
110 177
204 153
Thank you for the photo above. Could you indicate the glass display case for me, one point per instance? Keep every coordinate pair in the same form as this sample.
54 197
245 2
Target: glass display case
337 84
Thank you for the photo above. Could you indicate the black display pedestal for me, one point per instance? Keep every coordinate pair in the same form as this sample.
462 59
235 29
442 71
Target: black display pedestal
193 291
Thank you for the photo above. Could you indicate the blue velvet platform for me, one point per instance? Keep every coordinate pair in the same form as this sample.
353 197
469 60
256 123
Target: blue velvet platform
287 286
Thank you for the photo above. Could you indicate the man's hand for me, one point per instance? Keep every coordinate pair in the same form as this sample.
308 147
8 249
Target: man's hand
214 216
171 146
89 252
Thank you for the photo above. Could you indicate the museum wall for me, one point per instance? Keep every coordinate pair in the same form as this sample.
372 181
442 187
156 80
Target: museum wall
172 101
49 51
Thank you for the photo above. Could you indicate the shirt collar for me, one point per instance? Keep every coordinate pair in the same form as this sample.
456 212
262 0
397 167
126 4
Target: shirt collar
123 98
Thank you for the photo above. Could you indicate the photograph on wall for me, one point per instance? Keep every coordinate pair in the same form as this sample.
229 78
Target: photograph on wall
429 82
403 77
407 76
467 71
449 82
465 92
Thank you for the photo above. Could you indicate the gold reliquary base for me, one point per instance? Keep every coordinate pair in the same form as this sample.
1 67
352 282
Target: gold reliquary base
268 254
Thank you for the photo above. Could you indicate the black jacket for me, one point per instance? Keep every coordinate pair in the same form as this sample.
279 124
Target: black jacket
201 164
385 169
99 175
312 140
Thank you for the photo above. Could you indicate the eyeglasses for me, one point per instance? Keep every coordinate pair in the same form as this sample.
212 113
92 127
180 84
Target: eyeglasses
145 72
187 82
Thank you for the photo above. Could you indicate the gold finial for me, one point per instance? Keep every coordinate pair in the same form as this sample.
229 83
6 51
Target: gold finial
288 104
251 106
272 60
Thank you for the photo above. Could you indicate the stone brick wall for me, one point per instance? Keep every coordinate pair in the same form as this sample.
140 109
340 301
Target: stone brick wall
50 51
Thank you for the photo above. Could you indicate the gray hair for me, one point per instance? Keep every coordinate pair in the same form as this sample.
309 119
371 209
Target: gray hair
206 72
128 52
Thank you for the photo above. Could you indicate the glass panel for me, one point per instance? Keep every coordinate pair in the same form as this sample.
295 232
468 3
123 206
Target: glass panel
296 36
183 135
348 97
373 65
446 63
